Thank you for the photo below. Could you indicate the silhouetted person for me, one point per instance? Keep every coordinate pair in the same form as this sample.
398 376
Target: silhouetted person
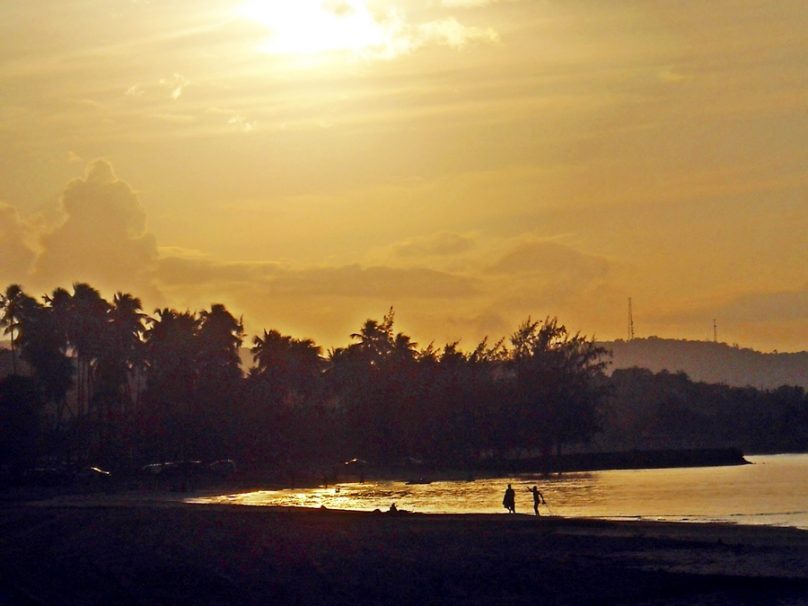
538 497
509 500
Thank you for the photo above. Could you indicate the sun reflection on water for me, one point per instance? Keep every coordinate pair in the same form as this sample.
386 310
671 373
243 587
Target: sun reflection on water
774 491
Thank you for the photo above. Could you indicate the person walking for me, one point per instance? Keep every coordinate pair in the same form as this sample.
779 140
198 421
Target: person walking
538 498
509 500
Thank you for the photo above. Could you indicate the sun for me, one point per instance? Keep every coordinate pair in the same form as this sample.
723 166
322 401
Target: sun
314 27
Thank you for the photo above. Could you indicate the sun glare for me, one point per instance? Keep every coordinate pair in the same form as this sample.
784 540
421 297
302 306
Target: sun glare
312 27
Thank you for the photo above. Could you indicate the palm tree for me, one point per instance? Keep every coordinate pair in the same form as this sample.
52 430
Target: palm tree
85 322
126 323
170 345
171 375
43 345
10 320
220 336
118 359
375 339
292 364
266 349
404 349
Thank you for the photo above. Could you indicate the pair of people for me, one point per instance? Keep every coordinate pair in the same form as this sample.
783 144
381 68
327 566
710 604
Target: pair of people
509 500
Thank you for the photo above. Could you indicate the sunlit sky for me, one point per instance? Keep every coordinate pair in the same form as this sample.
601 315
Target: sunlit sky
469 162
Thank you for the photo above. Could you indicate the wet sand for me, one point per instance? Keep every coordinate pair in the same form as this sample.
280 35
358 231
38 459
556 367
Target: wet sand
141 551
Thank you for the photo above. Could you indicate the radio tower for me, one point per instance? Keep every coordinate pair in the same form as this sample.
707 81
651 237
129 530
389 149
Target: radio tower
715 331
630 322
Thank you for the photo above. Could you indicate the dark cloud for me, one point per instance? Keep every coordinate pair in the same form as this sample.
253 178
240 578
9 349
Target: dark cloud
102 239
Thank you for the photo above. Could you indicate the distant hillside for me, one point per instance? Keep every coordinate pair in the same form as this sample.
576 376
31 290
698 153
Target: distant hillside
712 362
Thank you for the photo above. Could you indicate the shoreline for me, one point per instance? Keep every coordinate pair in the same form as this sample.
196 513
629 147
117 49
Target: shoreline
172 552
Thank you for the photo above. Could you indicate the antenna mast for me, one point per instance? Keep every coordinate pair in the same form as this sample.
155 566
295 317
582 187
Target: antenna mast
630 322
715 331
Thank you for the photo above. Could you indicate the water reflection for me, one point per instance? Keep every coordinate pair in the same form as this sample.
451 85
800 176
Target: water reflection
774 491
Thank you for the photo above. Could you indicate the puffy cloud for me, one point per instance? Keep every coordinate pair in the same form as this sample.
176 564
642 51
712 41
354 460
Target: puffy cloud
102 239
15 254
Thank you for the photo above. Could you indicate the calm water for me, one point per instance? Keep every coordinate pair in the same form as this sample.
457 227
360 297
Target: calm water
773 490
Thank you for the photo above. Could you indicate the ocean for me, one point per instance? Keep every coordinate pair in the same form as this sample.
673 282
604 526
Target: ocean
771 490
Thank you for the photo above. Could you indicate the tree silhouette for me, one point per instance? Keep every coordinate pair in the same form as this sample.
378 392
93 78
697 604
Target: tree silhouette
86 316
219 336
120 358
170 387
20 407
287 400
44 346
10 320
559 384
170 354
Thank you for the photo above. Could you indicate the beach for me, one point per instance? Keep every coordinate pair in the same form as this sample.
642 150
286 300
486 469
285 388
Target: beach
113 550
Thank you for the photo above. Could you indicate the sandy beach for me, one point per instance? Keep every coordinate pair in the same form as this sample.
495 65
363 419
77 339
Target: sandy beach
129 551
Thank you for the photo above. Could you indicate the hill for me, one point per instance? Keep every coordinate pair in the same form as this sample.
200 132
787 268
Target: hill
712 362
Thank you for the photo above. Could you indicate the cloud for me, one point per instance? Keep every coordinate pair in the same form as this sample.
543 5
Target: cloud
173 87
313 27
353 281
377 282
340 8
15 254
765 307
233 119
551 259
177 271
466 3
436 245
102 238
451 32
488 323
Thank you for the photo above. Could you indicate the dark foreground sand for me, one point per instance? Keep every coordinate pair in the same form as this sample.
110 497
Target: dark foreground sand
129 552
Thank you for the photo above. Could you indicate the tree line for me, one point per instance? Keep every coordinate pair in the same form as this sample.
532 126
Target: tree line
102 382
667 410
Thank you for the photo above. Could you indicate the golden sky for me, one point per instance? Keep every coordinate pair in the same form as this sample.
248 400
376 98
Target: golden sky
470 162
